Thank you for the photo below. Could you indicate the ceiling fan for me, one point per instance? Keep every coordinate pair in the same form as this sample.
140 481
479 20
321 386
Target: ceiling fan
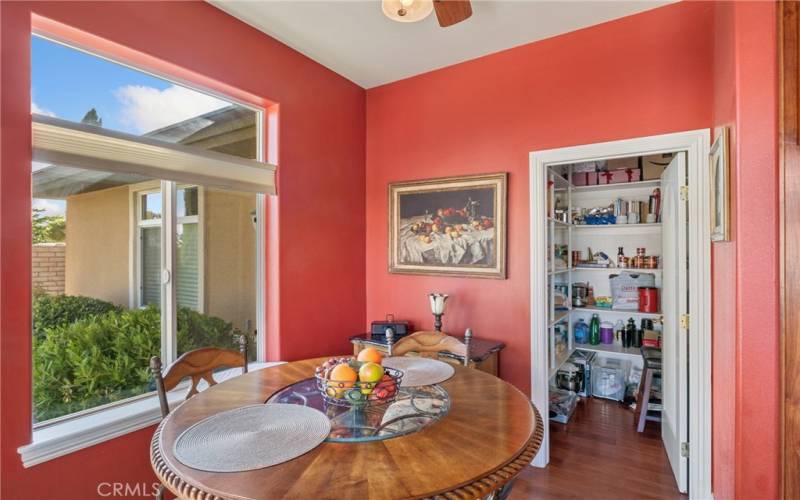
448 12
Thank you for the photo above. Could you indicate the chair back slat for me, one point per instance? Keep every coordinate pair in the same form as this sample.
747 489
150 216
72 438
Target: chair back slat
431 343
198 365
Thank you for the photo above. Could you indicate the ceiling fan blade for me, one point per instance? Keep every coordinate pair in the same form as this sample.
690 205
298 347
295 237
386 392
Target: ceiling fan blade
450 12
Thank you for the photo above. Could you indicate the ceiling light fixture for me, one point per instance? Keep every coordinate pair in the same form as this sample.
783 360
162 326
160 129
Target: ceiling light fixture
407 11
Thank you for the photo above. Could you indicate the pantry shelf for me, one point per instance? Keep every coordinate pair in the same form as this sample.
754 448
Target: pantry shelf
622 186
618 229
611 348
559 317
610 270
618 312
559 223
558 180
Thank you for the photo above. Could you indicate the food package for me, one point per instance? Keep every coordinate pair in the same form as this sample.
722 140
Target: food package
651 338
625 289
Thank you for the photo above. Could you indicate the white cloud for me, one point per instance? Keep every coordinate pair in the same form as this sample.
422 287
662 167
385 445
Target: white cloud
51 207
39 110
146 108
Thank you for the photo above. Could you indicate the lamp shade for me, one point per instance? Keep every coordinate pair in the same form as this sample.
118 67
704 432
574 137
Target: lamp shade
407 11
437 302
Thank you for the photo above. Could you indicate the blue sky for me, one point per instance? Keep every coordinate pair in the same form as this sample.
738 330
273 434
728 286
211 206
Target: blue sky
66 83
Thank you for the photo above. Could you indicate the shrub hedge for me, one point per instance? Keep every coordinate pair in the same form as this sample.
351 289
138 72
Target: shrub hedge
50 311
86 354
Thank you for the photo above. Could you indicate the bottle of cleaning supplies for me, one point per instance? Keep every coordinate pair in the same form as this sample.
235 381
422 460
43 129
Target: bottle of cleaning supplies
581 330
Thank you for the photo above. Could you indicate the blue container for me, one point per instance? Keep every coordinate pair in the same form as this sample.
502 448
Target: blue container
581 330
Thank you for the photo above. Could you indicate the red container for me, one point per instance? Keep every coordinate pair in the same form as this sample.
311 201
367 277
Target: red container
648 299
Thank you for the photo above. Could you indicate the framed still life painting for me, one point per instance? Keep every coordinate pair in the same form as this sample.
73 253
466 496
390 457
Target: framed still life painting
720 187
453 226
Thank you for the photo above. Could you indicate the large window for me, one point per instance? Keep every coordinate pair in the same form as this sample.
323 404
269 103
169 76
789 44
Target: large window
135 253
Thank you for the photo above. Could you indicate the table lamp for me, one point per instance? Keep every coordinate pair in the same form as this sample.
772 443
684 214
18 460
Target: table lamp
438 301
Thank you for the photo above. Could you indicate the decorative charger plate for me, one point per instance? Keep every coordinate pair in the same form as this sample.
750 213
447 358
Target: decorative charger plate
420 371
251 437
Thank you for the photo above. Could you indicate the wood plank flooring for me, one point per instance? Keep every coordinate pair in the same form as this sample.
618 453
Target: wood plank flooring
600 455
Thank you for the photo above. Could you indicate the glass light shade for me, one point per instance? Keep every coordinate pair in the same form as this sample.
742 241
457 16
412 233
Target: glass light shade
407 11
437 302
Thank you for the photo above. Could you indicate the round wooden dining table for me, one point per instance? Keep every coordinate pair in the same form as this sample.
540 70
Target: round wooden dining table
490 434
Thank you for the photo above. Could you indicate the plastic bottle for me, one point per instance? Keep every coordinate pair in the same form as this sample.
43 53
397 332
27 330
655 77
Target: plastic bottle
581 330
630 331
619 330
594 330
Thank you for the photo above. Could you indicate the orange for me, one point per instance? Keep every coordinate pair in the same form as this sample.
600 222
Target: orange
370 354
342 377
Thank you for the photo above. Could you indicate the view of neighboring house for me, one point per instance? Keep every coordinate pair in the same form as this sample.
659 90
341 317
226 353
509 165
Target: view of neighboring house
112 249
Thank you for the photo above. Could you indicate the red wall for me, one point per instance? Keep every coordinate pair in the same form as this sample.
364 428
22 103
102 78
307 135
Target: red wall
746 327
642 75
313 264
681 67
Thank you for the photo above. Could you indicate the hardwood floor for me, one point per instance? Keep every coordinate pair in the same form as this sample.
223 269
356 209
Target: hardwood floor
598 455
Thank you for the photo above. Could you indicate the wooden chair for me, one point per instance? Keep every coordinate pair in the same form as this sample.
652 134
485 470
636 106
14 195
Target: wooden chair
198 364
429 344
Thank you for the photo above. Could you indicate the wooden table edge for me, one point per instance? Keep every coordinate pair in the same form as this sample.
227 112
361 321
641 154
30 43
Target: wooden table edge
475 488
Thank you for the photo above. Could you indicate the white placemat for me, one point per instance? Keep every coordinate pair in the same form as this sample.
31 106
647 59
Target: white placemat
251 437
420 371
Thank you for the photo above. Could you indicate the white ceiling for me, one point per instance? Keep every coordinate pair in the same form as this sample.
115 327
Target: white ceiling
355 39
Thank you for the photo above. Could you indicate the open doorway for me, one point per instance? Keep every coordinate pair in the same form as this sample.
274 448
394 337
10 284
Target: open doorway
619 243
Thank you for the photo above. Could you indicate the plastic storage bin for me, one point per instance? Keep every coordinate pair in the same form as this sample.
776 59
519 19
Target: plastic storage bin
609 378
562 404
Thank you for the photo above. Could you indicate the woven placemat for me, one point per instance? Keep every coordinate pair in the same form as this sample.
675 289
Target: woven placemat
251 437
420 371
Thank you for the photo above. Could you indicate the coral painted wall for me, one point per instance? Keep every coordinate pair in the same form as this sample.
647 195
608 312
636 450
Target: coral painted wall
318 144
746 398
641 75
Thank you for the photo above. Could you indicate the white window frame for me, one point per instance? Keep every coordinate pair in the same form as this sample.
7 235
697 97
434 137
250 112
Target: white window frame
138 192
61 141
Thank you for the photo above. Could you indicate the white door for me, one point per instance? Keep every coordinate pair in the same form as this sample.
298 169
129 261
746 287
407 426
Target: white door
674 304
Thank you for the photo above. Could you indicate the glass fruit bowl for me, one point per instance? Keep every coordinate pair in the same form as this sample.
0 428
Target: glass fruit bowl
355 389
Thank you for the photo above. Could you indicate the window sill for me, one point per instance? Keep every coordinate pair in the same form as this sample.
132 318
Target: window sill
75 434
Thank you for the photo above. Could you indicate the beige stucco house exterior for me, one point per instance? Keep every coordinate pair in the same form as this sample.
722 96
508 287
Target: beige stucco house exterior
103 250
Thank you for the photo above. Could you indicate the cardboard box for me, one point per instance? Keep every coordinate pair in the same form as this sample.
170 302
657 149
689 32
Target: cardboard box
584 179
653 165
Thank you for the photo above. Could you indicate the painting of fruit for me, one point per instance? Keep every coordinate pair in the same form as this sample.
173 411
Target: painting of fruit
454 226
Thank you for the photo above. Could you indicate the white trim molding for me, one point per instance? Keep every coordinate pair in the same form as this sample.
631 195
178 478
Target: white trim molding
82 431
696 145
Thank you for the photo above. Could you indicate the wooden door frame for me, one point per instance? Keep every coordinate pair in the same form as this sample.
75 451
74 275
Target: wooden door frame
789 160
696 144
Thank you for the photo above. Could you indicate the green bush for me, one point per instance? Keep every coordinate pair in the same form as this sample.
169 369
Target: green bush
197 330
94 361
50 311
104 357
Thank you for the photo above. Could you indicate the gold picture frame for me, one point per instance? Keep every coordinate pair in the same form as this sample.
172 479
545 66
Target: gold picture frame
719 183
453 226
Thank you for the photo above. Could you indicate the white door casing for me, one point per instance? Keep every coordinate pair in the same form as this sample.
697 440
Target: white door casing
674 304
696 144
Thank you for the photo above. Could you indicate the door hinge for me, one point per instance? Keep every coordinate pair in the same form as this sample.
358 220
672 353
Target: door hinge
684 193
685 450
685 321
